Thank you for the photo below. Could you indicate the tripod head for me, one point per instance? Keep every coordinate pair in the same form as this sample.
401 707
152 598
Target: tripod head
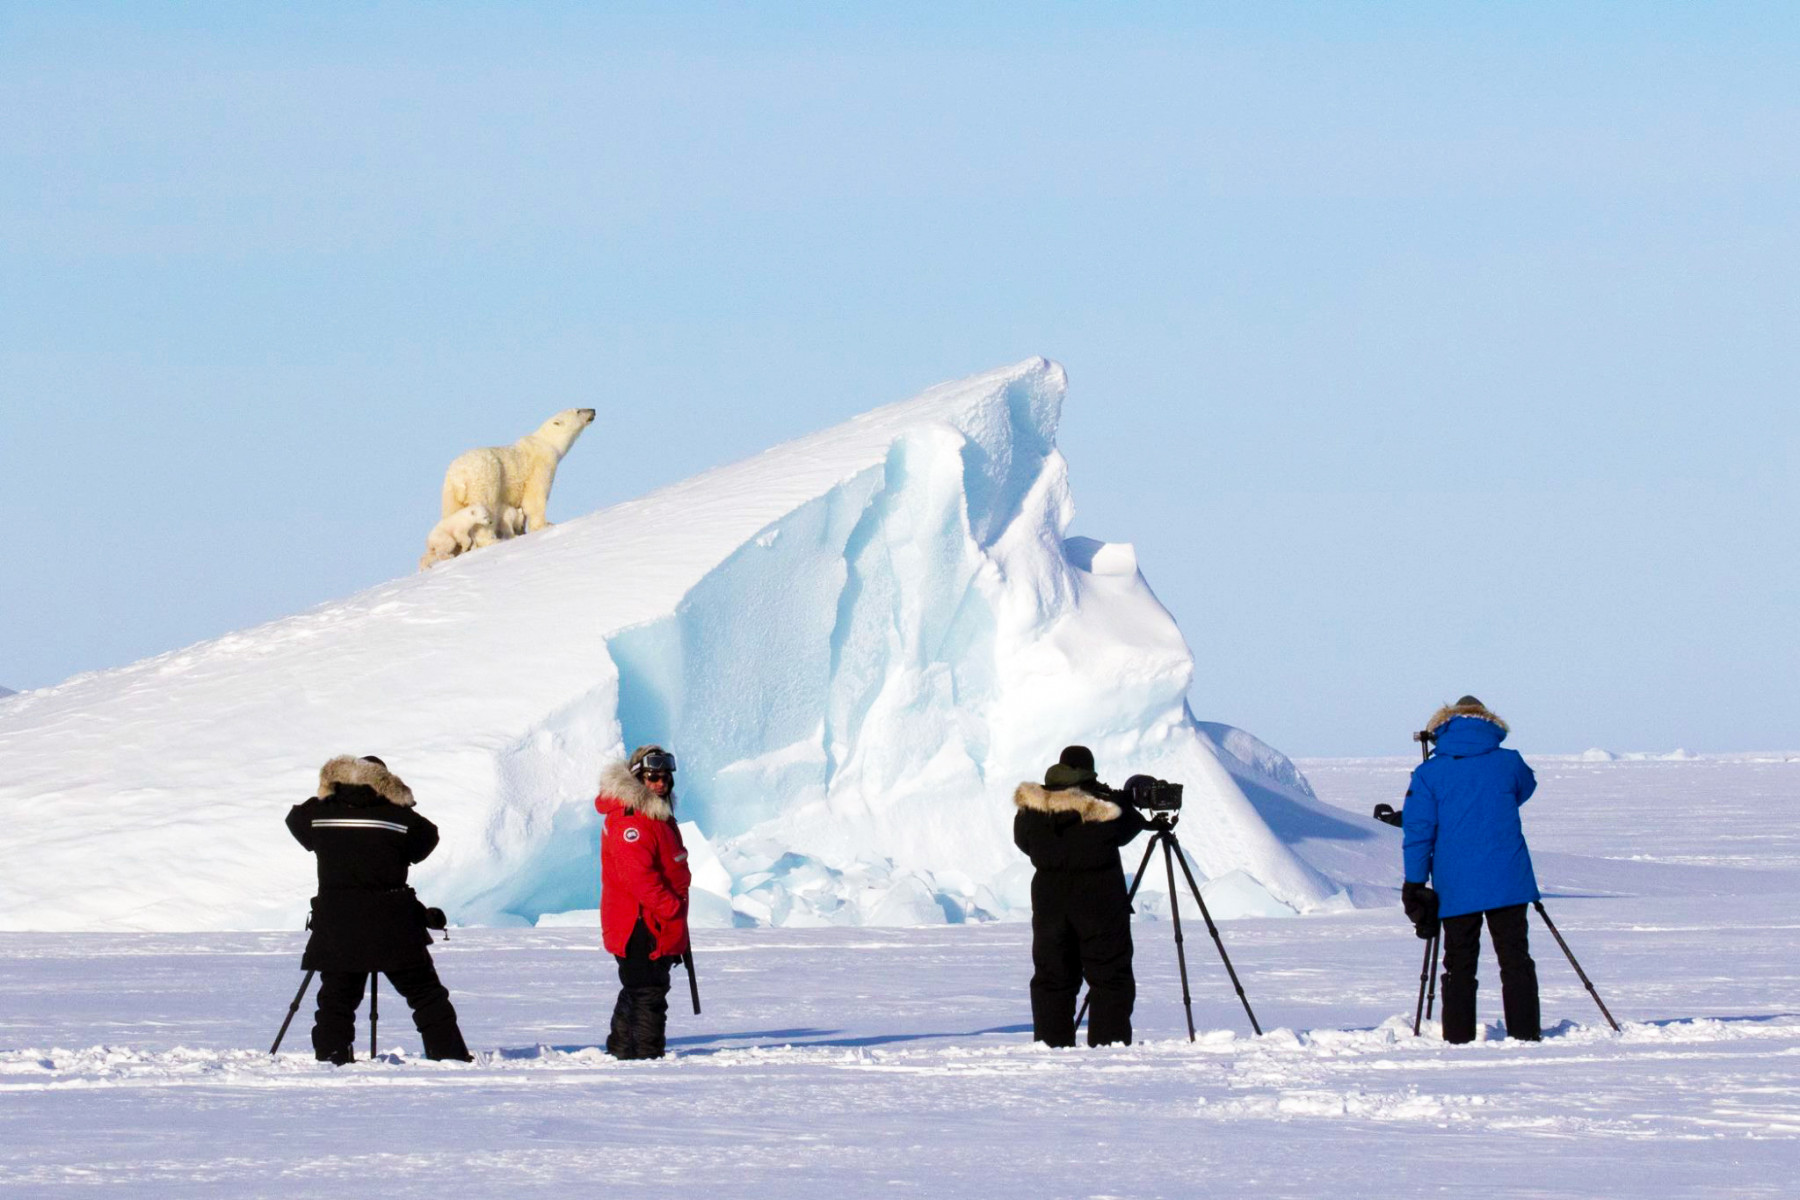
1426 739
1163 821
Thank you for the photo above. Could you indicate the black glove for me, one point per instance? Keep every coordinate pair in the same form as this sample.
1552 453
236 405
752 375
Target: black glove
1387 815
1421 905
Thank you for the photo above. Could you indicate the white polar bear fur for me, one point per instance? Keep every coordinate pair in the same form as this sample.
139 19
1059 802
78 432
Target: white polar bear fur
516 476
461 531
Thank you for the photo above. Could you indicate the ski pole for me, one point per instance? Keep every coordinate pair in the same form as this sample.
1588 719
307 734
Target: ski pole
1585 981
292 1009
374 1009
693 983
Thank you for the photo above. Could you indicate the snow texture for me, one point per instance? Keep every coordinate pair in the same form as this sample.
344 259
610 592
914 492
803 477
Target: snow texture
857 643
842 1062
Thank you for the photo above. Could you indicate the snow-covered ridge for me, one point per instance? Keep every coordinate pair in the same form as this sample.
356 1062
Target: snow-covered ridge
857 643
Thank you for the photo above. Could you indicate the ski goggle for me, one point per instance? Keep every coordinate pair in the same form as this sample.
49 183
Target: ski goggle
659 763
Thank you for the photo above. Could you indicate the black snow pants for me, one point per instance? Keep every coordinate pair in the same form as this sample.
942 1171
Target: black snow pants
1518 974
641 1012
340 992
1081 927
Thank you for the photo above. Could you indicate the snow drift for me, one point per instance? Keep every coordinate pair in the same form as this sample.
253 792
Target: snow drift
857 643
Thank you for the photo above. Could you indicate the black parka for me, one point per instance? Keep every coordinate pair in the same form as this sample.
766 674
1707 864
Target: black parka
1080 915
365 832
1072 829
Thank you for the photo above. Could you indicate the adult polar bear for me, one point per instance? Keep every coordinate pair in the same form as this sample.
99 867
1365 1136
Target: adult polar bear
516 476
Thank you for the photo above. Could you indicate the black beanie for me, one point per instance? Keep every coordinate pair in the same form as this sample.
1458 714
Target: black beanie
1079 757
1470 702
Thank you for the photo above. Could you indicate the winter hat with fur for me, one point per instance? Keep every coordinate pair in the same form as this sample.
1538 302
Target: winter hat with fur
349 771
1468 706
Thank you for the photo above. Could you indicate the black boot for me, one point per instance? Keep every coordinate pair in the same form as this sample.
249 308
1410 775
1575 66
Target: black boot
433 1014
649 1020
1519 997
621 1041
334 1024
1459 1008
1053 1016
446 1042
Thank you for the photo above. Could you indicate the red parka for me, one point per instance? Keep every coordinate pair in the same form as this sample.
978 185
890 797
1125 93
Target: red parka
643 866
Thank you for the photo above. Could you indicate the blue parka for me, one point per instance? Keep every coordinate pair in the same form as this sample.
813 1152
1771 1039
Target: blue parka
1462 819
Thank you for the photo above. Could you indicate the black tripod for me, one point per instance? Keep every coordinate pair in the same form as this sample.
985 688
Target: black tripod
374 1010
1163 827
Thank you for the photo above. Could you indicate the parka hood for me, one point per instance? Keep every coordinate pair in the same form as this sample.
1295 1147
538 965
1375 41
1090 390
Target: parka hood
347 771
1087 806
1462 737
1450 712
618 784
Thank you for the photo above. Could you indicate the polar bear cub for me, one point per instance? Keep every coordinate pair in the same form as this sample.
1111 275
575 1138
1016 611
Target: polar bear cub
461 531
510 524
516 476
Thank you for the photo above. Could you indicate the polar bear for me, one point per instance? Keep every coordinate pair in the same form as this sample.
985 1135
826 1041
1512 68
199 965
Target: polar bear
461 531
516 476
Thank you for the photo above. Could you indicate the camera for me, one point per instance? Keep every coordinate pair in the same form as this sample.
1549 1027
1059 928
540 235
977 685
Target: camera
1151 794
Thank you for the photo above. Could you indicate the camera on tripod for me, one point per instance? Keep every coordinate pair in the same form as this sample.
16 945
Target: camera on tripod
1149 794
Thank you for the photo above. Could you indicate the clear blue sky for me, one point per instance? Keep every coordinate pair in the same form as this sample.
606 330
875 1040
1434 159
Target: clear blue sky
1419 348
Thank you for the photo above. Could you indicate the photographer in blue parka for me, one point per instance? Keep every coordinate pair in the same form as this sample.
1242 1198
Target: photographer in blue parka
1464 836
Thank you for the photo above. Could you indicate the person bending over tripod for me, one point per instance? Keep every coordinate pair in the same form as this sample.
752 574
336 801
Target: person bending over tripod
1080 913
365 833
1463 834
644 881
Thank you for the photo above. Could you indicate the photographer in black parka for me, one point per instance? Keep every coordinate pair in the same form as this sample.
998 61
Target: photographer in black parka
1080 918
364 830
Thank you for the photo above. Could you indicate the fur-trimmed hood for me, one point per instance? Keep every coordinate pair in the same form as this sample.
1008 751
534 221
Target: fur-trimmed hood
346 770
617 781
1085 804
1450 712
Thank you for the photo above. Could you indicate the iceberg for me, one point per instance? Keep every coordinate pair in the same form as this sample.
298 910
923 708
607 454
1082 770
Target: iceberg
857 644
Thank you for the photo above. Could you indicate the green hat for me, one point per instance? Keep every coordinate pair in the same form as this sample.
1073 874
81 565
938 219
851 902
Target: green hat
1061 777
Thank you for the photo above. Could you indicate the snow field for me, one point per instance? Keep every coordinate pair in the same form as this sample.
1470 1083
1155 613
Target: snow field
853 1062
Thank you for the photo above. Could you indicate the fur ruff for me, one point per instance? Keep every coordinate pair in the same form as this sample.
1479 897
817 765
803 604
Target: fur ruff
1446 714
618 782
348 770
1088 806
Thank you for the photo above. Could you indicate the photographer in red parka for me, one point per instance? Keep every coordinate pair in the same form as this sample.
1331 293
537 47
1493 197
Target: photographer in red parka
643 895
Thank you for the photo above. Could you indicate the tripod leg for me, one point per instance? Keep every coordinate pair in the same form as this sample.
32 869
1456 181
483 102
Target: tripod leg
1136 880
374 1011
1187 1000
1431 996
292 1009
1217 940
1585 981
1424 974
